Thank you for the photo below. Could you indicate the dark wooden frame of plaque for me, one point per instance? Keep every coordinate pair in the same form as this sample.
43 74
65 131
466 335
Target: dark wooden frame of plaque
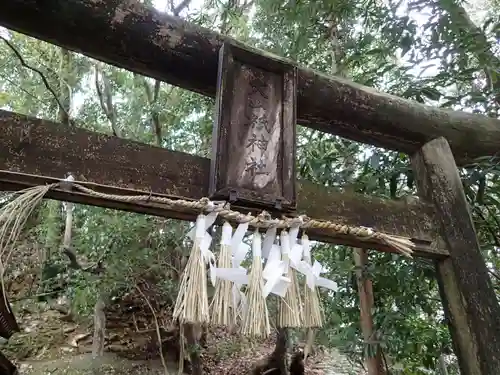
224 184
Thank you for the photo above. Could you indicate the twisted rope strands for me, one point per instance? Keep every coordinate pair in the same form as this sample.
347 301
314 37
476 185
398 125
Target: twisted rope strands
402 245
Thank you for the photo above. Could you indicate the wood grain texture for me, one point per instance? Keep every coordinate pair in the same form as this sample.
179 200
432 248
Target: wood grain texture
472 308
464 340
253 141
113 165
130 35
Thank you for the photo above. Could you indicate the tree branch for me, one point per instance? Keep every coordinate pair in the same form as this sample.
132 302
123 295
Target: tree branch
20 88
107 106
494 274
152 98
487 59
491 230
65 91
40 73
157 326
176 10
156 90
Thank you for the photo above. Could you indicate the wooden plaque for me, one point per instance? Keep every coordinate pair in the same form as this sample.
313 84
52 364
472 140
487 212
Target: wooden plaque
254 146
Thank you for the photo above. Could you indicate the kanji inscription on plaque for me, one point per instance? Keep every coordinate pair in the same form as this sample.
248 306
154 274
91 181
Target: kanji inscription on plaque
253 158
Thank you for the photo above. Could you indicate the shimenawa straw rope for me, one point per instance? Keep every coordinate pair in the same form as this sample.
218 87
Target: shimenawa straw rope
402 245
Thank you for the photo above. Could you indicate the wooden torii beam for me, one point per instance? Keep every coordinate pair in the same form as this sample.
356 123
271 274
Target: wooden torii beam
183 54
118 166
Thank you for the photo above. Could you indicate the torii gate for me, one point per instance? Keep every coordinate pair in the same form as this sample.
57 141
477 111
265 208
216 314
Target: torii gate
182 54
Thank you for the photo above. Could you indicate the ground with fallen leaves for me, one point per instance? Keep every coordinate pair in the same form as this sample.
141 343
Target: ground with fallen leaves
51 343
54 342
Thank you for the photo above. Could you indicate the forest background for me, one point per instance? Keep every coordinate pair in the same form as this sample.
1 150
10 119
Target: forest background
444 53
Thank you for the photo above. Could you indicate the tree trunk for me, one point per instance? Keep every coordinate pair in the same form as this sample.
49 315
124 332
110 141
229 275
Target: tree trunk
105 96
278 360
281 349
193 346
68 226
53 225
443 369
99 329
65 67
373 363
155 41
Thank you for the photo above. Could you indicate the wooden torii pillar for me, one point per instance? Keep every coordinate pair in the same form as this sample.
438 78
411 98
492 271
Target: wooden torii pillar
470 304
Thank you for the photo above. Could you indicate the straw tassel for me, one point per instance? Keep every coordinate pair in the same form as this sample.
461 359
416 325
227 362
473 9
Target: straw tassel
191 305
313 314
223 307
290 307
256 316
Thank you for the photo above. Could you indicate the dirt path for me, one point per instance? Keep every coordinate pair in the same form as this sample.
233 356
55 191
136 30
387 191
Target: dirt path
83 365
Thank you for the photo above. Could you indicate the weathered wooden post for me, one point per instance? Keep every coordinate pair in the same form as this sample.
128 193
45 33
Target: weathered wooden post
469 301
253 160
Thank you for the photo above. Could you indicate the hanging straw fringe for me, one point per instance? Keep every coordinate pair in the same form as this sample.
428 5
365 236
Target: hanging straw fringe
191 305
256 316
313 314
13 217
290 307
223 309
